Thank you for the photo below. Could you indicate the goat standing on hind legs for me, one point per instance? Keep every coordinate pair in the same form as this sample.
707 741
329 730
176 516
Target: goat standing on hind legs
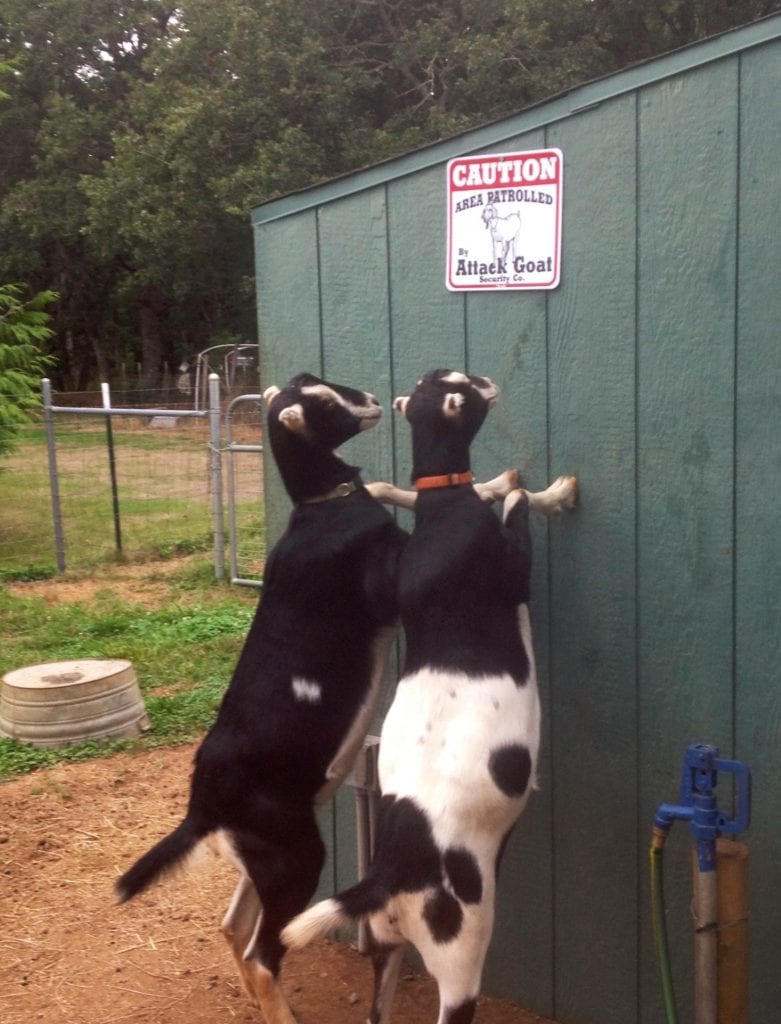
305 688
459 745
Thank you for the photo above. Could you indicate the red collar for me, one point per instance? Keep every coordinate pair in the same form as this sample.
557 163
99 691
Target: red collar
425 483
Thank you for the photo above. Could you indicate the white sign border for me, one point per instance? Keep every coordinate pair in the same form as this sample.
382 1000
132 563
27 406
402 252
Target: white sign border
509 285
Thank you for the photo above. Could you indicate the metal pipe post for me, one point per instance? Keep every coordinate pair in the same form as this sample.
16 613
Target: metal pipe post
232 539
216 472
112 468
701 762
54 482
705 906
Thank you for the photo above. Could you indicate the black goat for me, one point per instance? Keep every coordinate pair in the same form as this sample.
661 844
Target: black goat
304 690
459 745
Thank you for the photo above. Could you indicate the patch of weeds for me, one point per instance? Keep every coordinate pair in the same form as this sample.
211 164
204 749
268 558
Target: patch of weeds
19 758
195 575
28 574
182 716
191 546
183 656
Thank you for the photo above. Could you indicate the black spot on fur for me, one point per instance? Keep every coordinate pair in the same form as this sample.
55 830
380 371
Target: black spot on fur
510 768
408 859
462 1014
443 915
464 874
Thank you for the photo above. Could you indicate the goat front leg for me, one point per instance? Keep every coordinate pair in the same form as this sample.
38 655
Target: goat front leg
490 491
562 493
389 494
498 488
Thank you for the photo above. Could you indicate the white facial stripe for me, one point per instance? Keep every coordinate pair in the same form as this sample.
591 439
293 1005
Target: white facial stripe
359 411
367 422
307 691
489 392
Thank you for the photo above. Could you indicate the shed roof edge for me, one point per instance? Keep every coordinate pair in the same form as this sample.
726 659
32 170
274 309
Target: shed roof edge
545 112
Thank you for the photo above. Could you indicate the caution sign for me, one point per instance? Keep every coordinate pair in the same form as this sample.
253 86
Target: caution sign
504 220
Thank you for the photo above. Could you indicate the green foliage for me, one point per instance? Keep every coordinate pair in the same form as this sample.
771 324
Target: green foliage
22 363
141 133
28 573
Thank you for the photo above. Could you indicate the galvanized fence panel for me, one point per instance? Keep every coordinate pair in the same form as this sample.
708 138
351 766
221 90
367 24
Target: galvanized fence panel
132 482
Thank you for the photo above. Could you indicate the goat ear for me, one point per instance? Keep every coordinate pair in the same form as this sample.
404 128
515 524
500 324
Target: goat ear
400 404
292 417
452 405
270 393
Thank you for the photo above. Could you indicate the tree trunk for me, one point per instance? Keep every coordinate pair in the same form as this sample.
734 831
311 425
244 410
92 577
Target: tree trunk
100 358
151 343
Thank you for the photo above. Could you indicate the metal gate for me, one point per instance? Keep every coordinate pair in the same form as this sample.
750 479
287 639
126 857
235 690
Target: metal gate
221 442
231 449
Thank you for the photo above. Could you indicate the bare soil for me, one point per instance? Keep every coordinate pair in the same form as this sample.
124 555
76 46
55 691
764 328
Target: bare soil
70 955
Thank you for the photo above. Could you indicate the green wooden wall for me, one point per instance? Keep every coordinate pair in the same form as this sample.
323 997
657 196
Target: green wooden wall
653 373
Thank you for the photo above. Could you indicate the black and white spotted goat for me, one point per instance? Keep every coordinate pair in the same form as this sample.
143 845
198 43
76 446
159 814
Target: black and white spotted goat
459 745
305 688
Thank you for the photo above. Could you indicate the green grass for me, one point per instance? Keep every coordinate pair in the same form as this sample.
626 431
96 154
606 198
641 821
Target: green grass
164 501
183 653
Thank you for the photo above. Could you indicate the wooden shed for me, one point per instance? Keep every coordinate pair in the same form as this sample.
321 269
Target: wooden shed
651 371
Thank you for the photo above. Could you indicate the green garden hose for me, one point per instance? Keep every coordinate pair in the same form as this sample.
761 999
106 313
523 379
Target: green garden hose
660 924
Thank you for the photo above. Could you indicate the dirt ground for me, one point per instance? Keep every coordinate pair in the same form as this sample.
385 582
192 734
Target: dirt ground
69 954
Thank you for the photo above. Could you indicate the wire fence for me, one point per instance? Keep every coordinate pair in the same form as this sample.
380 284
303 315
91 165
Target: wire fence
131 487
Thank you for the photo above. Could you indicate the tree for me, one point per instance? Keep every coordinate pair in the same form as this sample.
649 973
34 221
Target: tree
22 363
139 133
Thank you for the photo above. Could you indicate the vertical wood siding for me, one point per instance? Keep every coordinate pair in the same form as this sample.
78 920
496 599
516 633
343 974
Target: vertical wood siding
653 373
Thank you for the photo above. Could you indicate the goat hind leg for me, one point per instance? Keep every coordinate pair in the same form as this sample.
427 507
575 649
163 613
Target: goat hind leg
386 961
240 927
459 987
285 874
263 960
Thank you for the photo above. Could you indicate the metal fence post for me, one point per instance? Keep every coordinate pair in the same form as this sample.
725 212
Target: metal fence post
54 483
112 467
216 470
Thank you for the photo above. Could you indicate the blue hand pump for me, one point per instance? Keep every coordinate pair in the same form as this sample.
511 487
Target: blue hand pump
697 805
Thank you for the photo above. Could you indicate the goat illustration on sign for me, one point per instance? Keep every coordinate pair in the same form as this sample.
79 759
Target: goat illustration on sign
504 232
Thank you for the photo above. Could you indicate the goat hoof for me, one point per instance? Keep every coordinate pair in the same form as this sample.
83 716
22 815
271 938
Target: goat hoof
570 485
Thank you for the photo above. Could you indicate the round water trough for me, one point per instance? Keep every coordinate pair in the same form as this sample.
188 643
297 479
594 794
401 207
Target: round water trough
69 701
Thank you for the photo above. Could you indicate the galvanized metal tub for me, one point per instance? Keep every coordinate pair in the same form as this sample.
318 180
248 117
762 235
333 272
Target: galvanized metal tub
68 701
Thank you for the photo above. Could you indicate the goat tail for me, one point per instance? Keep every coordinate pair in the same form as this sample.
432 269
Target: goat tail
356 903
314 923
163 857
